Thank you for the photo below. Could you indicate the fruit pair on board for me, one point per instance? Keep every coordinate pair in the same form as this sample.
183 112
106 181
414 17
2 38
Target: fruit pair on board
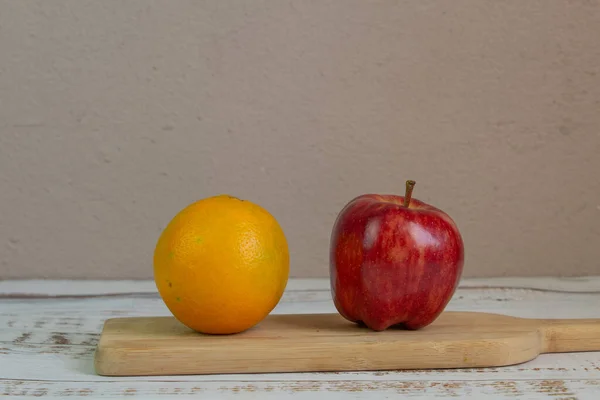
222 264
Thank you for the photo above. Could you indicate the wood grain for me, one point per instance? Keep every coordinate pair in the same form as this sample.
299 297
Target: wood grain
328 342
36 319
556 389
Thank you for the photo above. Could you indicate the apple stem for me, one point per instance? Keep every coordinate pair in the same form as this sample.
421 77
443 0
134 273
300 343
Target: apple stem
409 189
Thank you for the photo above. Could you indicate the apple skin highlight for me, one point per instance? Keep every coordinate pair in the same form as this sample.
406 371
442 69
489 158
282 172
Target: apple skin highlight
392 265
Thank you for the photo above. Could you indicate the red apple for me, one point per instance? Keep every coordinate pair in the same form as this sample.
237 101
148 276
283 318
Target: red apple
394 260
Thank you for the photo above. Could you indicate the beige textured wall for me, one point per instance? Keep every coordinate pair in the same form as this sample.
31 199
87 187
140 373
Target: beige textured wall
116 114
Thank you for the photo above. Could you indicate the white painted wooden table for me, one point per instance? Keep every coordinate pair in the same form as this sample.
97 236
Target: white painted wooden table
49 329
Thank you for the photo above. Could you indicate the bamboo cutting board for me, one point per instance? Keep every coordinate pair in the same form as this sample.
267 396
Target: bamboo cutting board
327 342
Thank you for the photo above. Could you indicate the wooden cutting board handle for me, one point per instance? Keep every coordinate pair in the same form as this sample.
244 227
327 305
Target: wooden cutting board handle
570 335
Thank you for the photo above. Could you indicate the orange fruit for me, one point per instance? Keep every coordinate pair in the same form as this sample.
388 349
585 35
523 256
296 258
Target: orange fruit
221 265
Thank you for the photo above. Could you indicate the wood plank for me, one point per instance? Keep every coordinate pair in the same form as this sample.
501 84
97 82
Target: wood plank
54 288
328 342
48 337
76 363
87 315
41 320
31 356
581 284
559 389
